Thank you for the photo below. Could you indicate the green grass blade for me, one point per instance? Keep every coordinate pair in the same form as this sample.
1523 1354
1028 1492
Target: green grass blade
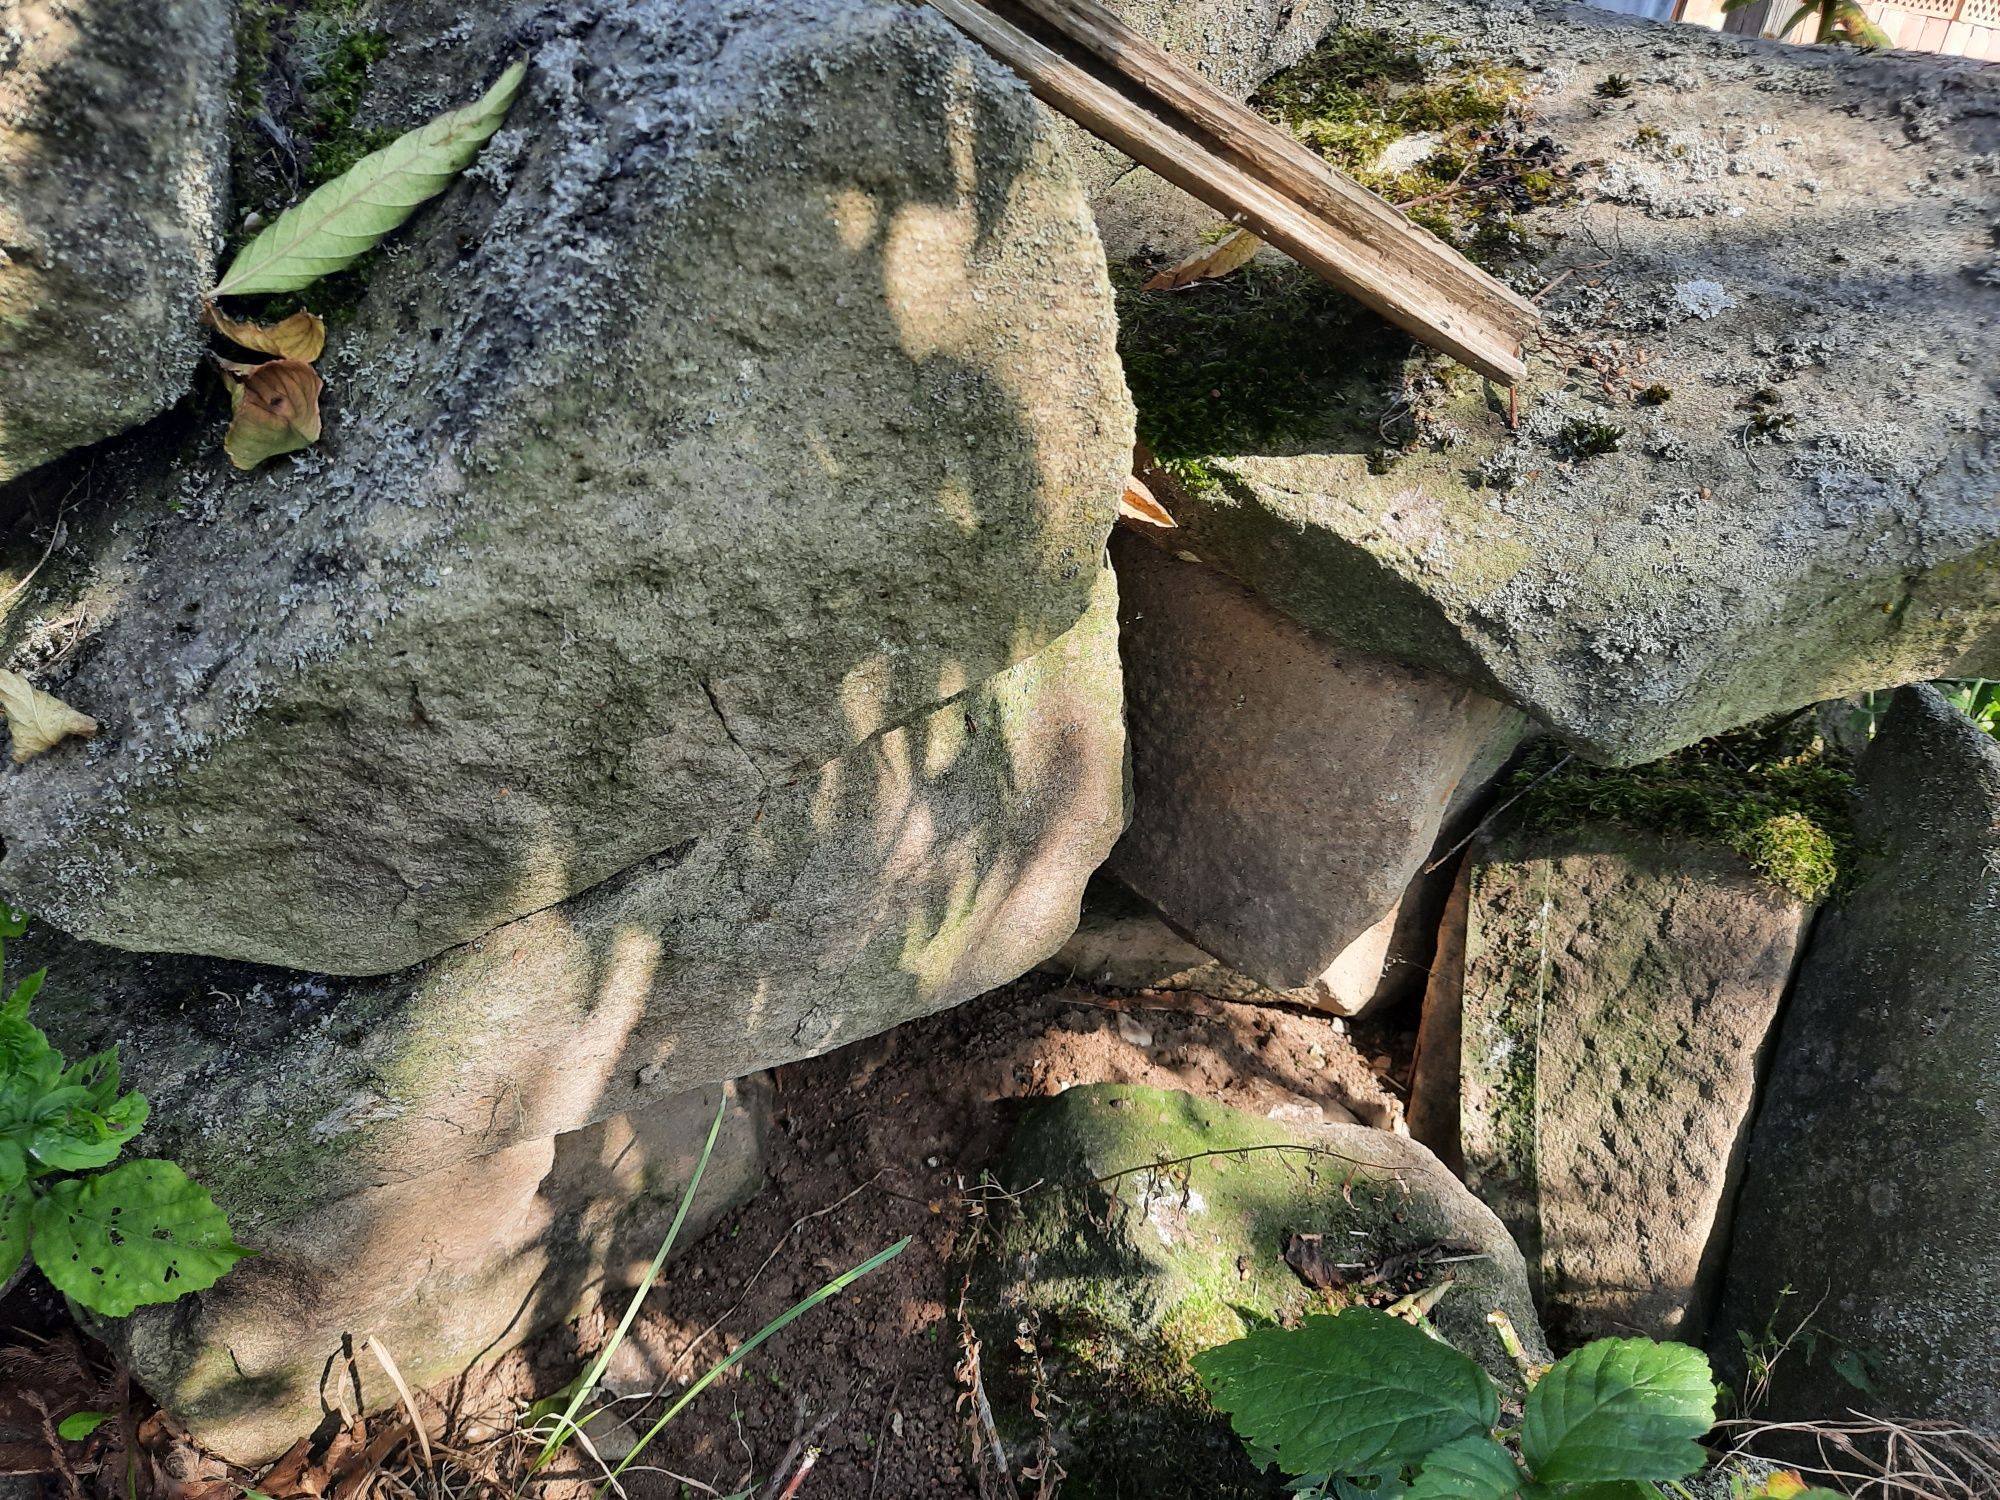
343 219
567 1423
797 1310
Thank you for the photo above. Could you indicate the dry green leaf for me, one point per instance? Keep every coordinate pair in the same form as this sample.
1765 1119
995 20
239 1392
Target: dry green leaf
301 336
37 720
277 409
344 218
1138 504
1233 250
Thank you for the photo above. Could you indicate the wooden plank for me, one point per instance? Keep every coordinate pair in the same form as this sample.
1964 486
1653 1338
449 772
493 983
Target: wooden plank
1275 157
1360 267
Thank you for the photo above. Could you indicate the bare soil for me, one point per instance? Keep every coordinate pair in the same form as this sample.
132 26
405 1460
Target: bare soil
880 1140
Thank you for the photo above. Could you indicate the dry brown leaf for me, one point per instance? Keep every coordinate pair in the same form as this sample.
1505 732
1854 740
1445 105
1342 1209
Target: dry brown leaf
277 409
1138 504
1233 251
35 719
301 336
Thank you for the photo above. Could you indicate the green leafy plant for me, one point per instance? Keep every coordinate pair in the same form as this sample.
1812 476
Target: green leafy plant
1840 21
110 1238
1360 1404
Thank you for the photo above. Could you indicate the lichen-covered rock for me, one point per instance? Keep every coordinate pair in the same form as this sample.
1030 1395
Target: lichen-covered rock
1615 994
113 173
1867 1187
1759 449
928 865
1286 789
442 1268
1148 1226
755 393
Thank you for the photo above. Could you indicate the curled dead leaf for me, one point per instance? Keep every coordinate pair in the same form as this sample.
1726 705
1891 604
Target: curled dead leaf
301 336
1138 504
1233 251
37 720
277 409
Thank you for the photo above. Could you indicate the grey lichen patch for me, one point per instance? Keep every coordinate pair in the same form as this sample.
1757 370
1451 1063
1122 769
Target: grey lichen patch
1640 573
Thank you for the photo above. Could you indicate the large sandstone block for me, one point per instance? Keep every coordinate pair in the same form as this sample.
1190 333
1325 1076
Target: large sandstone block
444 1269
114 162
1868 1188
754 395
931 864
1286 789
1144 1226
1617 992
1803 506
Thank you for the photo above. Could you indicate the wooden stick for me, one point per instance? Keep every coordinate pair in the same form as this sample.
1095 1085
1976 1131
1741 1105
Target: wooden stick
1274 157
1378 263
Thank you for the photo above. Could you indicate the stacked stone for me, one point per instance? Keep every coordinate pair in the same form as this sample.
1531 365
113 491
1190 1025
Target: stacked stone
688 650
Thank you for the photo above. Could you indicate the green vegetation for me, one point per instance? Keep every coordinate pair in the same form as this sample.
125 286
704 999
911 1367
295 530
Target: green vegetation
1361 91
1779 803
110 1240
1270 357
1587 437
1361 1403
1840 21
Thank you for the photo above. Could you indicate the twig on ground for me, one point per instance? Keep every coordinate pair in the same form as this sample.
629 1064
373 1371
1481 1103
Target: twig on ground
1883 1459
882 1437
1313 1152
686 1351
802 1442
1481 826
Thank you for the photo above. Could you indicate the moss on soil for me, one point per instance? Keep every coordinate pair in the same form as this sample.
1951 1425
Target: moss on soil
1776 799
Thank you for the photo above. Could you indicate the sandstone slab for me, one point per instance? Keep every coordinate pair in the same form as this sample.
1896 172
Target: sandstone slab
444 1268
1758 451
1868 1185
1286 788
1616 996
937 861
114 162
753 395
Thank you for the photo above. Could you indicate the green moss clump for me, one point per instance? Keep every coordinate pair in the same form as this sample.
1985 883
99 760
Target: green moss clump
1362 90
1271 359
1781 805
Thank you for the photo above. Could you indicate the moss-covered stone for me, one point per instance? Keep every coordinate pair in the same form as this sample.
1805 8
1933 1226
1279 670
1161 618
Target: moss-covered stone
1148 1226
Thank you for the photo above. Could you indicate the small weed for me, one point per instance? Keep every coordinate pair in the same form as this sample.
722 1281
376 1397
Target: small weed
1655 395
1617 86
1649 135
1588 437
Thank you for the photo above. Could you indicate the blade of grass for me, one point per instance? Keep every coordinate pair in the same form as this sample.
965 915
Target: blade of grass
374 1346
566 1423
721 1367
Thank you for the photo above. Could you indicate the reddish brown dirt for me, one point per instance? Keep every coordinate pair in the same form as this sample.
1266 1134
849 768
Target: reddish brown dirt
882 1140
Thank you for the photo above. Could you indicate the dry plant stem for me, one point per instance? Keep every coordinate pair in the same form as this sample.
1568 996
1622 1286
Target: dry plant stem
1311 1152
1486 822
802 1442
1918 1460
374 1346
882 1438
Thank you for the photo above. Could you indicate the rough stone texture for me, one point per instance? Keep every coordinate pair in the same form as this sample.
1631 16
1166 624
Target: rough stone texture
1617 996
113 177
1120 943
1286 788
1702 575
932 864
1869 1181
754 393
1114 1284
444 1268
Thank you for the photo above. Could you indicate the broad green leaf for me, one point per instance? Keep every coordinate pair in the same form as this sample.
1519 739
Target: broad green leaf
13 1164
97 1075
343 219
79 1425
138 1234
1605 1489
1619 1409
1474 1468
13 1231
25 992
25 1056
81 1140
13 921
1349 1393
